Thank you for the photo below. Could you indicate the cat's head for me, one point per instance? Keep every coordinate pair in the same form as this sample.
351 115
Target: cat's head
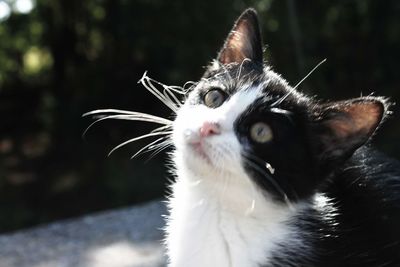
243 118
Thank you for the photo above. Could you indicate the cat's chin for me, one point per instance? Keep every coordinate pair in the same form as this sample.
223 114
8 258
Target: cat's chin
198 152
197 161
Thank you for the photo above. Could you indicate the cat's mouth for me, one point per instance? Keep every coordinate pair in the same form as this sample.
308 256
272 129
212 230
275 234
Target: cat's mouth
198 149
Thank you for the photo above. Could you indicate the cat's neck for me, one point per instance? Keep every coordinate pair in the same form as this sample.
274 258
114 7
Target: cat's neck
235 194
226 220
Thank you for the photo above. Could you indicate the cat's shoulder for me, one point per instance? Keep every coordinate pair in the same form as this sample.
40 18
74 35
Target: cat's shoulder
370 170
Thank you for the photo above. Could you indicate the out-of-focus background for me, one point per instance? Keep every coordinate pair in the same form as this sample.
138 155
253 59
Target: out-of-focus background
60 59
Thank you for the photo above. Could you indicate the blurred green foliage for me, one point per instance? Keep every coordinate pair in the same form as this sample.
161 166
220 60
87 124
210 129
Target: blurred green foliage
65 58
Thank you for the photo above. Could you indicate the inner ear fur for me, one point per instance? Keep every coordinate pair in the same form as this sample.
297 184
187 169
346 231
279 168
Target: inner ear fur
344 126
244 40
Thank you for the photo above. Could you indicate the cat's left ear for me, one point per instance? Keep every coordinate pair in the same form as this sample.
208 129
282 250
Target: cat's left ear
344 126
244 40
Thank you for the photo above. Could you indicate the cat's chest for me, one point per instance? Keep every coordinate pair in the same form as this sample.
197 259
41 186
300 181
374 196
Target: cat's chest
202 232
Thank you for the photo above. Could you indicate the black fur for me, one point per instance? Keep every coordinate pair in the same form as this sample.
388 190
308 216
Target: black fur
360 227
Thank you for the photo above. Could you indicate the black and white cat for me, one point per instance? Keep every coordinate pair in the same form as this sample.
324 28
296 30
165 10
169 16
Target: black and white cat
267 176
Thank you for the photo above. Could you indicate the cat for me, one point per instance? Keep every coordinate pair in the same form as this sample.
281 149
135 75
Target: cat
268 176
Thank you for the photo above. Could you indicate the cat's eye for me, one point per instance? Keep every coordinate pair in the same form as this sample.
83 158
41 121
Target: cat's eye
261 132
214 98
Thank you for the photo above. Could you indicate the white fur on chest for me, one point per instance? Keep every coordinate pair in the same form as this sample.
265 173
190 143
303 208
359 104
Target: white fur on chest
223 224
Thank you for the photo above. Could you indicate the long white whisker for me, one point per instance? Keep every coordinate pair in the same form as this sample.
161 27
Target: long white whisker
190 83
168 93
148 147
177 89
162 128
147 83
143 117
309 73
297 85
137 138
105 112
159 147
161 144
113 111
160 96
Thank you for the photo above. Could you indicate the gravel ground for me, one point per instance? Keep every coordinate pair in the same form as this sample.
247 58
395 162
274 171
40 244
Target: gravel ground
127 237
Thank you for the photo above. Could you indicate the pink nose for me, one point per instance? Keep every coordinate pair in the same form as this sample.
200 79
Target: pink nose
209 128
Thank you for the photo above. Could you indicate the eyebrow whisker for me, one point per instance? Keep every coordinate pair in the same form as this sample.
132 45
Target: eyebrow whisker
280 100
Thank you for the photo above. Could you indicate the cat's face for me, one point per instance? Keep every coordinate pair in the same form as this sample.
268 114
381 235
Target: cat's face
231 125
243 120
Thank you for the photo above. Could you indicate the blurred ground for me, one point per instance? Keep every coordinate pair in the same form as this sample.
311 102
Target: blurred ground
127 237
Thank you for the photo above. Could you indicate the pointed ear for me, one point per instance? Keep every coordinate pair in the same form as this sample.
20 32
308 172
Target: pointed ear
244 40
345 126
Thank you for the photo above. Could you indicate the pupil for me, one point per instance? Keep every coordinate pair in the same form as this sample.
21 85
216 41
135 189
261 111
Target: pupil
260 131
216 98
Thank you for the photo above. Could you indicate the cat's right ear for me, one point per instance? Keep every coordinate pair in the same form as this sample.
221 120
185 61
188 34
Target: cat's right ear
244 40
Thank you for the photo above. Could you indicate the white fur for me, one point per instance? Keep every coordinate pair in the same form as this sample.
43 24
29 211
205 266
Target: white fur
218 216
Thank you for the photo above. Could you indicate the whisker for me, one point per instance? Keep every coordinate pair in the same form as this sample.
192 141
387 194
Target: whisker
148 147
279 101
178 89
226 71
190 83
263 163
311 71
168 94
168 141
142 117
114 111
147 82
159 147
241 66
153 90
169 87
105 112
162 128
270 180
166 101
137 138
270 168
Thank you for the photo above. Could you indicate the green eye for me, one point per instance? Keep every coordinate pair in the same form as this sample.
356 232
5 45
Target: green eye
214 98
261 132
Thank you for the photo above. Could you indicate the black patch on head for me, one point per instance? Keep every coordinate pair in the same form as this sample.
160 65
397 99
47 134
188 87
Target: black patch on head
287 153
